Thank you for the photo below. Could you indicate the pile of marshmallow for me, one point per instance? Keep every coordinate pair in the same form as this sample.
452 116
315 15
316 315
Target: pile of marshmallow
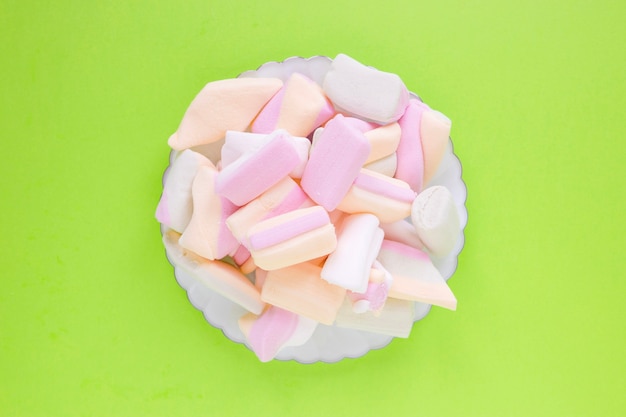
291 199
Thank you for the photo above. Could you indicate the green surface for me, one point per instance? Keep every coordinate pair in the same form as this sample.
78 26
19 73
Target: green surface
92 322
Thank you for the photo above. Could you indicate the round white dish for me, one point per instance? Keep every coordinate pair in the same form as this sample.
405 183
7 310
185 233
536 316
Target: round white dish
328 343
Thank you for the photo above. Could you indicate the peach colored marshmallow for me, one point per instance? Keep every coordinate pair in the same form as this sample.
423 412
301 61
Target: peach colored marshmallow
414 275
290 238
220 106
219 276
300 289
388 198
281 198
207 234
394 319
435 133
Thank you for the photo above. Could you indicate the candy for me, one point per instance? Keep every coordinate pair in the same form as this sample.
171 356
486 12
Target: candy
373 95
221 106
216 275
434 131
301 289
299 107
388 198
374 297
386 166
239 143
290 238
383 141
253 173
300 215
207 234
414 275
274 330
410 167
283 197
175 207
436 220
359 234
335 162
395 319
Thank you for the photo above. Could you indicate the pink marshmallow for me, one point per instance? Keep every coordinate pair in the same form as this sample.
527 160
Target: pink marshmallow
291 238
299 107
279 199
388 198
308 221
238 144
373 299
254 173
334 163
410 157
271 331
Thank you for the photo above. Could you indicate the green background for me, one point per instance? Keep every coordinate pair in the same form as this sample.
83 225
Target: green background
92 321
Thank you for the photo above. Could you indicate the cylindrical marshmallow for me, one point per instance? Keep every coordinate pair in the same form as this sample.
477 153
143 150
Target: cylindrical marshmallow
436 220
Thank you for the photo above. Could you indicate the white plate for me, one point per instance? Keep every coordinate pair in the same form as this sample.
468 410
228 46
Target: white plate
328 343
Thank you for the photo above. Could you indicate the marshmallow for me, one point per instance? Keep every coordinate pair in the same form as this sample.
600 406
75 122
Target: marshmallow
275 329
435 133
283 197
365 92
394 319
175 206
254 173
386 166
436 220
219 276
221 106
259 277
410 167
414 276
239 143
388 198
373 299
290 238
299 107
358 242
300 289
383 141
207 234
404 232
307 189
334 163
243 259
